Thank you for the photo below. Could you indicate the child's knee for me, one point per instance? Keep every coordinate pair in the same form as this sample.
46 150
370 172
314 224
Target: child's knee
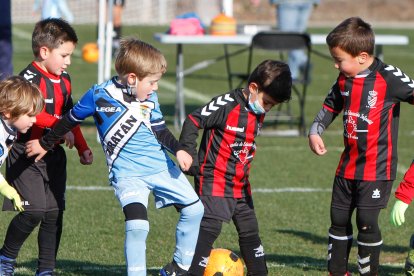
195 210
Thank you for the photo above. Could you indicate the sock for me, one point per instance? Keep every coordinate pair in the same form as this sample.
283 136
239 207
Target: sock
187 233
136 232
253 255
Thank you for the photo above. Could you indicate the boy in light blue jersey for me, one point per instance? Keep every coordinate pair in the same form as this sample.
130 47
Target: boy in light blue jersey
135 138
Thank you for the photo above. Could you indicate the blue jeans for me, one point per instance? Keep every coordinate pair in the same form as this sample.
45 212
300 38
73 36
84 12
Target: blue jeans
56 9
293 17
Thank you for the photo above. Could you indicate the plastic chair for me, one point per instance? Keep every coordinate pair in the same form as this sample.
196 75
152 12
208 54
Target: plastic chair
275 45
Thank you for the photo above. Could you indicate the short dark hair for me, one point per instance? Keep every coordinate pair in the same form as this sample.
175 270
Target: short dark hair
52 32
353 35
273 78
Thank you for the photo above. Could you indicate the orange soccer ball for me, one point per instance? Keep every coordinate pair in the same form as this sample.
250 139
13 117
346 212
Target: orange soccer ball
90 52
224 262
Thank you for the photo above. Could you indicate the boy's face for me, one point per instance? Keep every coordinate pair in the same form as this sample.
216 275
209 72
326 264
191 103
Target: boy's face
23 123
56 61
347 64
264 99
146 86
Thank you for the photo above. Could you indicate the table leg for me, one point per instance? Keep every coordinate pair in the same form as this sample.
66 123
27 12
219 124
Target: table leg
179 115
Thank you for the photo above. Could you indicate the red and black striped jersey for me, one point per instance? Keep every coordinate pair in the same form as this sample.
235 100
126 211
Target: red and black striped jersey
227 146
370 103
56 91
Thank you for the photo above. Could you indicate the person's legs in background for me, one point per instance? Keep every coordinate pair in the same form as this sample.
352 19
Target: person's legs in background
293 17
117 21
6 49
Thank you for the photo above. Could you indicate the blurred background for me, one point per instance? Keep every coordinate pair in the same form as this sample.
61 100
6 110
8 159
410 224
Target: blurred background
380 13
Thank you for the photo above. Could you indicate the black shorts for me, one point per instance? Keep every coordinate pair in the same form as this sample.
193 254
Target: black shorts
349 194
41 185
225 208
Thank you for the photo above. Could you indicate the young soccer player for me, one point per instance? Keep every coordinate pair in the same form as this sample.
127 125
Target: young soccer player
20 102
404 195
369 93
135 140
231 122
42 184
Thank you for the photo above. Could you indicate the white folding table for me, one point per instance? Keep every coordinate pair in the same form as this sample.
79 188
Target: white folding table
240 39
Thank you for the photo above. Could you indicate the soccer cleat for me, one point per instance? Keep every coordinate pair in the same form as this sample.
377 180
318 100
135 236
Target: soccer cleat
7 266
172 269
409 262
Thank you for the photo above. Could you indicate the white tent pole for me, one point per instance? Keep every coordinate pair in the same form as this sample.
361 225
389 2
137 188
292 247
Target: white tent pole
108 43
101 39
227 7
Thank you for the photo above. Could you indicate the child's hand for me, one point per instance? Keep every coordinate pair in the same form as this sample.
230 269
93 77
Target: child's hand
184 160
316 144
397 213
8 191
33 148
86 158
69 139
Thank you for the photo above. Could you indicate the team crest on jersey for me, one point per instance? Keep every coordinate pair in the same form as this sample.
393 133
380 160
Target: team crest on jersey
372 98
243 151
350 127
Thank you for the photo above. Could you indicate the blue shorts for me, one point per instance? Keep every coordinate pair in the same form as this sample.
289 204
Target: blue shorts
169 187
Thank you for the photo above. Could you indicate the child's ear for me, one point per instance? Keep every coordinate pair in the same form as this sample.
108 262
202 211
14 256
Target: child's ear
363 57
6 115
43 52
253 87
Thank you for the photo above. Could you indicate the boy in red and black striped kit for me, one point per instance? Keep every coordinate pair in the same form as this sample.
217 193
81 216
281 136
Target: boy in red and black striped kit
368 93
231 122
42 184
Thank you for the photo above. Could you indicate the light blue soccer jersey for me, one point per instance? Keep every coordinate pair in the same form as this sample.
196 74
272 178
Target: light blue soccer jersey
124 128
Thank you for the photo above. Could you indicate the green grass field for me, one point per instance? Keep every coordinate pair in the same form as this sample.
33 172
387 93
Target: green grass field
291 185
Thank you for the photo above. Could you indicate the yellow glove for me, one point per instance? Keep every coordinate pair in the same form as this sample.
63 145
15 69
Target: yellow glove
397 213
8 191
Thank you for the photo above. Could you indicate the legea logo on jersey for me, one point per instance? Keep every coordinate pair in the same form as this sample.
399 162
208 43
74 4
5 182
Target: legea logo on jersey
106 107
372 99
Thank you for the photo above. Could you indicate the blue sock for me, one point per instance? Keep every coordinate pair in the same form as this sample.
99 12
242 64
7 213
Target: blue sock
187 233
136 232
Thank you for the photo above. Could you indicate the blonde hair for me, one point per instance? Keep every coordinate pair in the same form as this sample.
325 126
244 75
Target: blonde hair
18 97
140 58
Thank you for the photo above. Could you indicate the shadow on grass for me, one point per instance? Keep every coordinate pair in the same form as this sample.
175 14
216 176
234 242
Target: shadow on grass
323 240
318 266
308 265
